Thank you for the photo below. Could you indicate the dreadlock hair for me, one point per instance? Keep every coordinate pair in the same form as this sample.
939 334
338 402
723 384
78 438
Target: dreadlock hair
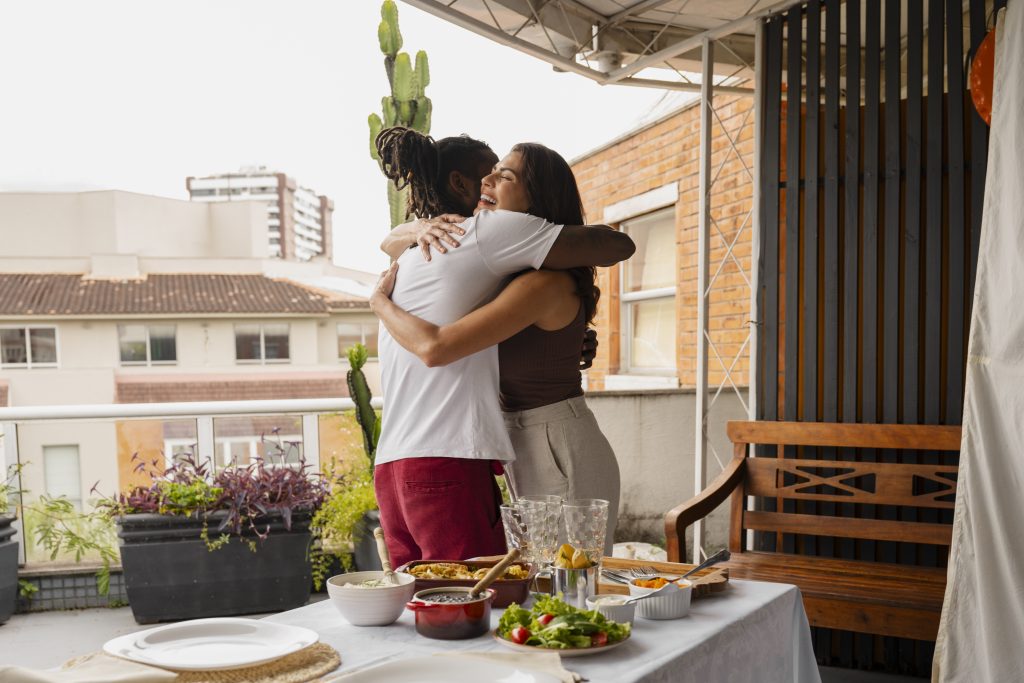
414 160
554 196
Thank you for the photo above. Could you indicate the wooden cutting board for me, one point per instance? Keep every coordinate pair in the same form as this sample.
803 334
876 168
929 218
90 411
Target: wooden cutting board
706 582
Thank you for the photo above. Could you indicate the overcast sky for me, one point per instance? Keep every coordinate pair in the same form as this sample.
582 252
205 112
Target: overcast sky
138 95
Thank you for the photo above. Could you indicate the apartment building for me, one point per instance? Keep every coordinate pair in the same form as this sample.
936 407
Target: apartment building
115 297
646 183
298 219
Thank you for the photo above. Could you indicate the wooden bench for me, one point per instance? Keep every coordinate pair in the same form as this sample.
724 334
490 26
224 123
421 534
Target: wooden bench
853 595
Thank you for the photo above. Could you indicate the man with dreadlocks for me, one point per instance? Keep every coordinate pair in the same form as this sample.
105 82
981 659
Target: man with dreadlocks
443 437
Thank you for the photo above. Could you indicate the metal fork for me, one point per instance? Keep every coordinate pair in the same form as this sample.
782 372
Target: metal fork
642 572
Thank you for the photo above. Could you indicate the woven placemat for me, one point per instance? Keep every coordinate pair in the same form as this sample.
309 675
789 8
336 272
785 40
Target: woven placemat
303 666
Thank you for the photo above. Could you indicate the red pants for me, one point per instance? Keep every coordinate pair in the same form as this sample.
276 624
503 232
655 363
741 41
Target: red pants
439 509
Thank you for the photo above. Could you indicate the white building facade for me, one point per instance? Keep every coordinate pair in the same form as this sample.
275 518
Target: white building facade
114 297
298 219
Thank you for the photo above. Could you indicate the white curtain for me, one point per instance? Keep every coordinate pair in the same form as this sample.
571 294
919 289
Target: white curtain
981 635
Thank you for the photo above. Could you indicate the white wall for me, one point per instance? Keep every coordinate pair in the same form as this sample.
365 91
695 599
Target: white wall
652 433
64 225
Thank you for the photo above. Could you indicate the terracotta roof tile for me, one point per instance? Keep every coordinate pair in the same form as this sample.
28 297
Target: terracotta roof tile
162 294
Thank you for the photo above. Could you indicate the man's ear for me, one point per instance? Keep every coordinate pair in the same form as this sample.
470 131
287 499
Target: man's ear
461 186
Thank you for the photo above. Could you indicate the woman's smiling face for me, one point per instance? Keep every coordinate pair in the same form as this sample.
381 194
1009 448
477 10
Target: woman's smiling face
503 187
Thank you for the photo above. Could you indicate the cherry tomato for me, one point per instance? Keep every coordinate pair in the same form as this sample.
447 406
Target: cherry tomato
520 635
599 639
545 619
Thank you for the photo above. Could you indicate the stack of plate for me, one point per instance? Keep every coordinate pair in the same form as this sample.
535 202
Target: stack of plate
212 644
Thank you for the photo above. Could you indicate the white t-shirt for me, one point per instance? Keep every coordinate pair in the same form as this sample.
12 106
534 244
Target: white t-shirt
453 411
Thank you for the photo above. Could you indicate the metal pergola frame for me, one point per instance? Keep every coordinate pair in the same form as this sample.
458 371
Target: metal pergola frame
562 15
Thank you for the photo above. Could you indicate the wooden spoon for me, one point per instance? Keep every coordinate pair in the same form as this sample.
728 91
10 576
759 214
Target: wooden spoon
385 557
497 571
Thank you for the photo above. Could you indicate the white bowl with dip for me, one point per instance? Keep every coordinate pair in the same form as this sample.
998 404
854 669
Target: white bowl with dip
379 605
669 604
613 607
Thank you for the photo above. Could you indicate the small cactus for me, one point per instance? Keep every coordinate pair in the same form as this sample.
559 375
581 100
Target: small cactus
407 105
359 390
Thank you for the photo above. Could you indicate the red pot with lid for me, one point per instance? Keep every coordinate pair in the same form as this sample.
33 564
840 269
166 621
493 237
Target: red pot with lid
451 612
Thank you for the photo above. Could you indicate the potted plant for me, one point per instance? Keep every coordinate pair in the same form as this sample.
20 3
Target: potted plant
8 546
237 542
346 520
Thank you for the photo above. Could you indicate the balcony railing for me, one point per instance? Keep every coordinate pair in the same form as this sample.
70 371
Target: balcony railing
302 416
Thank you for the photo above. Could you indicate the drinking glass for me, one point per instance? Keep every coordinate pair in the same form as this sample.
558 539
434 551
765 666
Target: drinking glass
540 516
586 524
516 534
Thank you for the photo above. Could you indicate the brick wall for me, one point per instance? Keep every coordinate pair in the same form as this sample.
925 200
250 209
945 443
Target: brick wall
173 388
665 152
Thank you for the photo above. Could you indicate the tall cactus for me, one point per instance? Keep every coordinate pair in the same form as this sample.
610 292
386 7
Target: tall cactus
407 105
359 390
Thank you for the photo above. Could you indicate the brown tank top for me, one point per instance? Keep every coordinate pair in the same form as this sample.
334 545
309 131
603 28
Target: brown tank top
540 367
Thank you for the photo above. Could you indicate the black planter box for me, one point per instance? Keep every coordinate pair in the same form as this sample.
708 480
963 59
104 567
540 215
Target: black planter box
170 574
364 554
8 568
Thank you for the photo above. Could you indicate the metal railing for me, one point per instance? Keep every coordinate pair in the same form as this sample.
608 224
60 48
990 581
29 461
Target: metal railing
203 412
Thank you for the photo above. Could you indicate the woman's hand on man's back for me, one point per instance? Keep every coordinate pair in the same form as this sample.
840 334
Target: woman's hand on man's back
437 232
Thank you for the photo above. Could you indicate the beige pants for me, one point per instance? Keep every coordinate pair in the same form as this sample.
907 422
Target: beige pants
561 451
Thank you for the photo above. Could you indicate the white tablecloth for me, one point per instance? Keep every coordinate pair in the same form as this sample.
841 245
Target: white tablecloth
753 632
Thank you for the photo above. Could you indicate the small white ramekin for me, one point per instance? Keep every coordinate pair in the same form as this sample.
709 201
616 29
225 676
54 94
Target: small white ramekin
622 614
669 604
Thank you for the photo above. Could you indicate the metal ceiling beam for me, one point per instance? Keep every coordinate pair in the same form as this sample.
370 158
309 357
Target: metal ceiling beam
617 43
642 6
696 41
678 85
477 26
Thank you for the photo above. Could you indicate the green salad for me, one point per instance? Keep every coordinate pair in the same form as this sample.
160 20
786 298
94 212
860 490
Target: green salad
553 624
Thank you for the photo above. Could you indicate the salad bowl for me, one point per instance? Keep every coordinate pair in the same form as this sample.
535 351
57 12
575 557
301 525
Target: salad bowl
551 624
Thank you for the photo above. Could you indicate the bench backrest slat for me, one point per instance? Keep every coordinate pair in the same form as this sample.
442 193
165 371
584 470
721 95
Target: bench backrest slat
844 527
908 437
843 481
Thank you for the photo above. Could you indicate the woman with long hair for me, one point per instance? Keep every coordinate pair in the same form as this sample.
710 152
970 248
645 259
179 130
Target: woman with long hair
537 321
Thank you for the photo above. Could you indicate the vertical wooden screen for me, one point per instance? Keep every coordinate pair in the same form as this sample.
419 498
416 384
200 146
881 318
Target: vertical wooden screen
872 177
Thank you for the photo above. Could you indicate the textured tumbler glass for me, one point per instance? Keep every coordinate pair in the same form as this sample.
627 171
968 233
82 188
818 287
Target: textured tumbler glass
586 523
541 519
516 535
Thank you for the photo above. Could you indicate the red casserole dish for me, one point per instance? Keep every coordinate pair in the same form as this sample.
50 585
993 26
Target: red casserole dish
449 613
506 591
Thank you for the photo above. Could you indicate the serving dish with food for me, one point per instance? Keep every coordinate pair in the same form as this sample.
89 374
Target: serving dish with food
368 598
452 612
512 586
552 624
670 603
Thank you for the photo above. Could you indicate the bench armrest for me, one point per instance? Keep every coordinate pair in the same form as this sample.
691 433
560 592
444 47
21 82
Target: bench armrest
700 506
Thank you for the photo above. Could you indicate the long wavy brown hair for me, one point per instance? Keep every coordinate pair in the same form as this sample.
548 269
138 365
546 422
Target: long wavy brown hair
554 196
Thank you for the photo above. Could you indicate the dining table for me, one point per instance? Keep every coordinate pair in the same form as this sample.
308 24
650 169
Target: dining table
748 632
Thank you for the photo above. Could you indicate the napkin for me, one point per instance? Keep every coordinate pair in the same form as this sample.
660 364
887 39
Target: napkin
541 662
97 667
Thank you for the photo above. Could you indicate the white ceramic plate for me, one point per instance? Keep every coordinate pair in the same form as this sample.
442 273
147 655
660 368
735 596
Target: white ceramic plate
571 652
444 670
211 644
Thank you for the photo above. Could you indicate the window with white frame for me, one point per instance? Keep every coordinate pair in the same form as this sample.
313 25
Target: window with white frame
648 295
62 473
148 344
350 334
28 347
262 343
